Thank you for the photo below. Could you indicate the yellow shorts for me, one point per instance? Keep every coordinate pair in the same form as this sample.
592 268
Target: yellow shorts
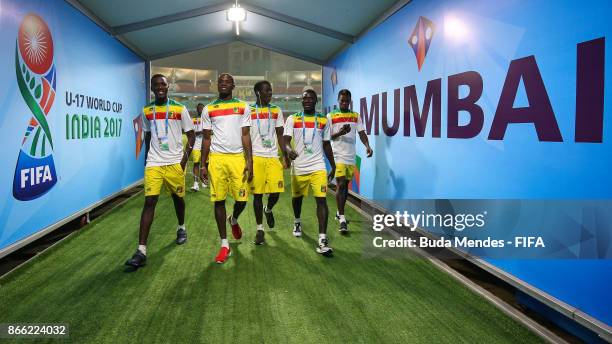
196 156
267 176
225 174
344 170
172 176
316 180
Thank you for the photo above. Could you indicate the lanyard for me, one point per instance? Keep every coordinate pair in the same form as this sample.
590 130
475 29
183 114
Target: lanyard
314 130
155 114
258 124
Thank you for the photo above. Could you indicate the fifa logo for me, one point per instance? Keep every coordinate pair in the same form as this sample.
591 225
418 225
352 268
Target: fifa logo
35 171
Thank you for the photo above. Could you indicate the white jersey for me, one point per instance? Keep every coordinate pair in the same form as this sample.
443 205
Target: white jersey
226 118
344 146
264 122
308 132
166 124
197 127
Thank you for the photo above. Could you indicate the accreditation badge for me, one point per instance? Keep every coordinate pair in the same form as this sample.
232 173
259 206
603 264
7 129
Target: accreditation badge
308 149
267 143
163 143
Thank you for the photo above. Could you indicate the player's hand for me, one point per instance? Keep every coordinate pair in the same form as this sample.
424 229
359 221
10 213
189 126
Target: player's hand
248 173
203 172
345 129
369 151
330 176
292 154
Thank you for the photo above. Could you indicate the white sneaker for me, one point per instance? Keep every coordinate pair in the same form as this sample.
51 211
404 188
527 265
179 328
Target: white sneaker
323 248
204 183
297 229
195 187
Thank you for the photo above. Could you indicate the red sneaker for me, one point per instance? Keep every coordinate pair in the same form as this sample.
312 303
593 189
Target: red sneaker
224 253
236 230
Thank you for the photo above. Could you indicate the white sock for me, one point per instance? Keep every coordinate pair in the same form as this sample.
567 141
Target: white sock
297 220
233 221
142 249
181 227
195 183
260 227
224 243
322 236
342 218
337 213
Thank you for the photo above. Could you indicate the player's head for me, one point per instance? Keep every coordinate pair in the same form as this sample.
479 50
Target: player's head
309 100
263 92
344 99
225 85
200 108
159 87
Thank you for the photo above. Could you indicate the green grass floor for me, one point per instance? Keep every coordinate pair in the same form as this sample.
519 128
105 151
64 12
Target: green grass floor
277 293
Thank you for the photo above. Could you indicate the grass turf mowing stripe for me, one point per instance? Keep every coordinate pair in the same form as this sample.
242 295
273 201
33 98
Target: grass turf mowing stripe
279 292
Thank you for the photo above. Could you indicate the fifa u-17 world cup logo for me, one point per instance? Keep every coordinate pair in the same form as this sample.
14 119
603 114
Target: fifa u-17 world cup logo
35 171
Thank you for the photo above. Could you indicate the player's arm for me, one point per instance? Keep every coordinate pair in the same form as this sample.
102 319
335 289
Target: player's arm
280 139
248 152
205 151
327 148
206 126
189 148
187 127
364 139
147 140
287 136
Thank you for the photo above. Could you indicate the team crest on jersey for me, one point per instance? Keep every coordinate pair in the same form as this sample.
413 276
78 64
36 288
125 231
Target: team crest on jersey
235 109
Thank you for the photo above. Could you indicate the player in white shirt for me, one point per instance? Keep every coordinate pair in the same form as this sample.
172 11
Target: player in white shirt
345 124
164 121
196 153
230 163
267 130
311 133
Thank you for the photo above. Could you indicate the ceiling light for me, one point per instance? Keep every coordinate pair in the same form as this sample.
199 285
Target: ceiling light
236 14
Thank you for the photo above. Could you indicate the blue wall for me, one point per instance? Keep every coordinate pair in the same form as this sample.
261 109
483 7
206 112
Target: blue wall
500 62
50 174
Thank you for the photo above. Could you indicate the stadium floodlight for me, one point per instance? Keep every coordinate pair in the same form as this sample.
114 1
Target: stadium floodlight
236 14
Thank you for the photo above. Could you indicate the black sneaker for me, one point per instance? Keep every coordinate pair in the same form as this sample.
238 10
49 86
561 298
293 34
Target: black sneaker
324 249
269 219
181 236
297 229
343 228
137 260
259 238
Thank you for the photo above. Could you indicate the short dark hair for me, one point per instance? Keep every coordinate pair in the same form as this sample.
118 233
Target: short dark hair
155 76
310 90
199 104
345 92
258 85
